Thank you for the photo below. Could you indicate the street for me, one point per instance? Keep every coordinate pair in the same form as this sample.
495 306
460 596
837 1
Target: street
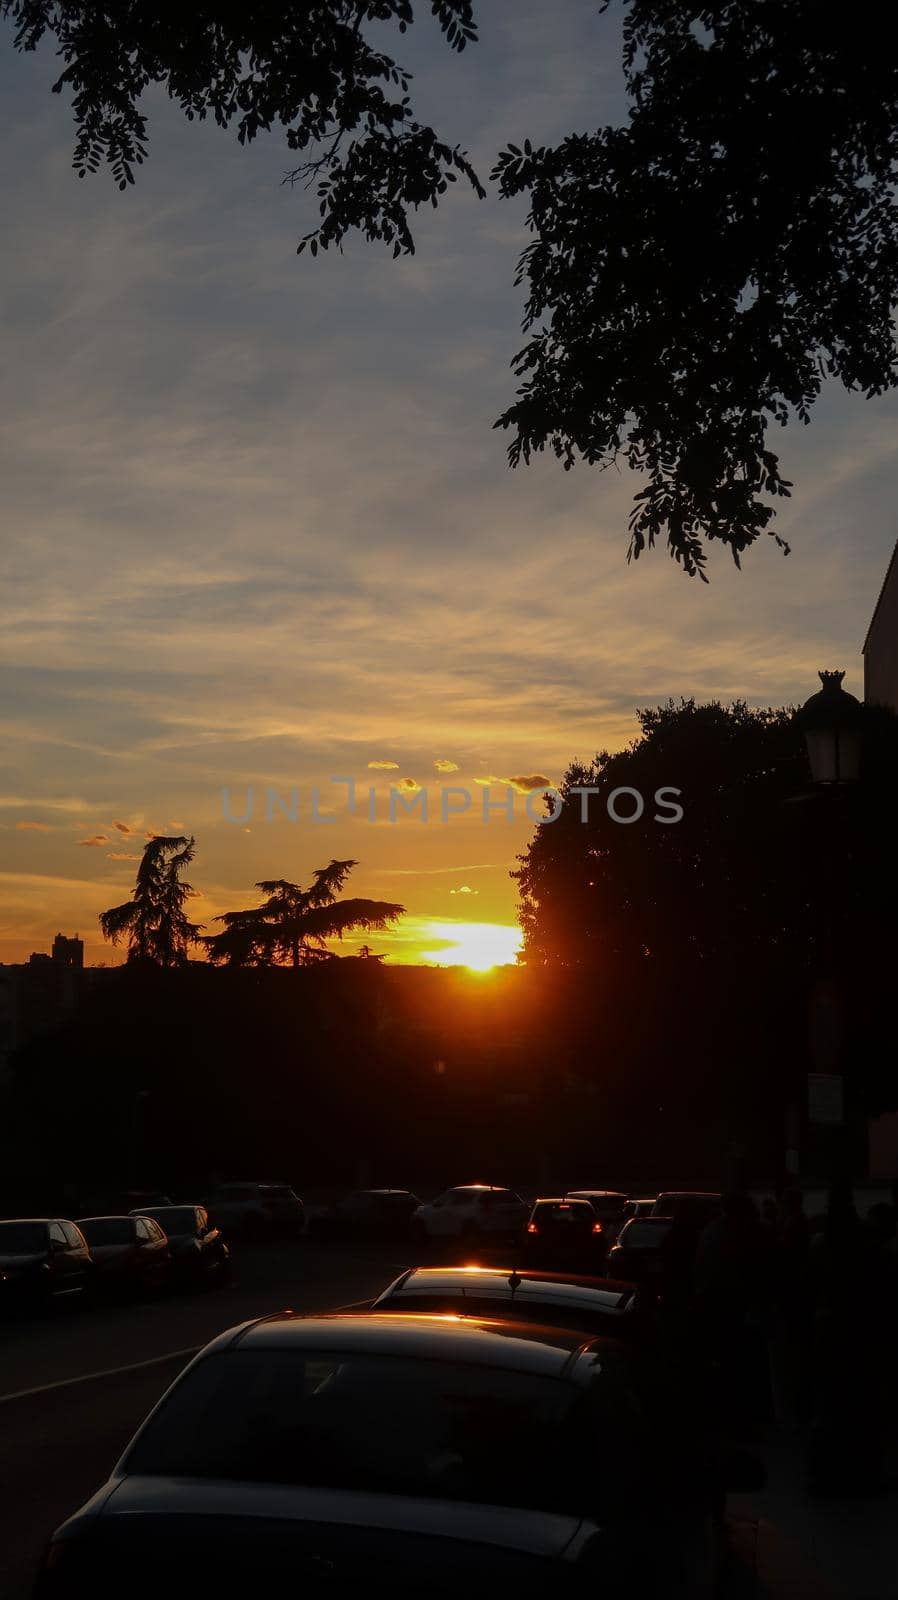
76 1383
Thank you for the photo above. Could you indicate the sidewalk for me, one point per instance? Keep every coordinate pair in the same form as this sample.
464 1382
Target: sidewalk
801 1547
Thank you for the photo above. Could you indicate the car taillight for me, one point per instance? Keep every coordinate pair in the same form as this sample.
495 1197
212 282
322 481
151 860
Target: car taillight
597 1227
532 1228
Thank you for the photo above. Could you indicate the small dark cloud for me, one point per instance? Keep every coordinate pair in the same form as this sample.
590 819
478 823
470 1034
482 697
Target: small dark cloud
95 840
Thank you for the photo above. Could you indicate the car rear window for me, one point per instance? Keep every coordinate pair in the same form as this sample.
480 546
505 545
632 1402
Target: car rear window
174 1220
108 1230
644 1235
22 1238
377 1423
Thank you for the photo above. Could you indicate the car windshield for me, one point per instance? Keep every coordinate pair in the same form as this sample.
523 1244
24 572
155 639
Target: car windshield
107 1230
371 1423
174 1219
644 1235
22 1238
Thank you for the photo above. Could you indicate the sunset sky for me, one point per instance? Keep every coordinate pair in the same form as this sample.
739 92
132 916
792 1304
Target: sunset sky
258 529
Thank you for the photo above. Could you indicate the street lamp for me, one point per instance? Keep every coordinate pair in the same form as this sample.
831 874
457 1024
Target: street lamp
830 722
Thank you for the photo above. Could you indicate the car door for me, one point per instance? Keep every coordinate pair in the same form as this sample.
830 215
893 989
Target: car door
66 1269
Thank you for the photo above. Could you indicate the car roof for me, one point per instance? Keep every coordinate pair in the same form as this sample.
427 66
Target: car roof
476 1341
110 1216
380 1191
689 1194
502 1187
150 1211
560 1199
42 1220
600 1194
559 1289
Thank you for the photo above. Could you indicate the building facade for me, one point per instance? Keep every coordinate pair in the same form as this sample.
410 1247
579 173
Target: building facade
881 643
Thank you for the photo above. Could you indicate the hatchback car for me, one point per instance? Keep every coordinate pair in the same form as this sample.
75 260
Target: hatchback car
420 1455
564 1233
473 1211
129 1253
260 1210
198 1251
41 1258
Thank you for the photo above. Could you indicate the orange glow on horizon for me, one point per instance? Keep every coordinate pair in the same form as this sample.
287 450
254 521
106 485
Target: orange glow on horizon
479 946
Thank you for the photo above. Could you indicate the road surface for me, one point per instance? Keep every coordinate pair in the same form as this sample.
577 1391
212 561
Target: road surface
75 1383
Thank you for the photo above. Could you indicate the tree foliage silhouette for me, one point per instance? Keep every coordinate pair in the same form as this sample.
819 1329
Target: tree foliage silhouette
154 921
292 924
695 274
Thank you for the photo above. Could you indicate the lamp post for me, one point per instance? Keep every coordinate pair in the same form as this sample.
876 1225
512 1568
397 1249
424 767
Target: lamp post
831 724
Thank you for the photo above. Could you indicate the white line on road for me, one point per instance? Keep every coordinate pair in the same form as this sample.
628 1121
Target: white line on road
135 1366
110 1372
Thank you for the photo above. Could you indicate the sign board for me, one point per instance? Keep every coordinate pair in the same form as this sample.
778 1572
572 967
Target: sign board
826 1097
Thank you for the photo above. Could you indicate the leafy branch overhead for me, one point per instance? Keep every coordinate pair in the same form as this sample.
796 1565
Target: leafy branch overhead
694 275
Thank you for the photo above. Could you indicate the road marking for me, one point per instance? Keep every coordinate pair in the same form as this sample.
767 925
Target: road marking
136 1366
110 1372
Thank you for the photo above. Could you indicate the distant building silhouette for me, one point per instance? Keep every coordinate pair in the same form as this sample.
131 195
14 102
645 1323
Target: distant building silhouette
881 643
38 995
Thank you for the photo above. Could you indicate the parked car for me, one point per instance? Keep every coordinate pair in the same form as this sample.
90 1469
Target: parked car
40 1258
198 1251
416 1455
128 1252
566 1234
260 1210
471 1212
633 1208
595 1305
637 1253
608 1204
367 1213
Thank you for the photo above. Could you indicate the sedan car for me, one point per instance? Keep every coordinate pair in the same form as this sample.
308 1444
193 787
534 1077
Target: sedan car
594 1305
41 1258
198 1251
566 1234
258 1210
367 1213
420 1455
129 1253
471 1212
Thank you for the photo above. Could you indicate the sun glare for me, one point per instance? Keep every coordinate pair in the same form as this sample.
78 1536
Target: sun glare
479 946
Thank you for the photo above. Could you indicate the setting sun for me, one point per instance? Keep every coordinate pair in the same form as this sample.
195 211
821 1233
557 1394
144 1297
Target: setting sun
480 946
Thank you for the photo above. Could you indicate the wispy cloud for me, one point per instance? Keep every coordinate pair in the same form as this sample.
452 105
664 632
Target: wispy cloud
384 766
95 840
446 766
35 827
